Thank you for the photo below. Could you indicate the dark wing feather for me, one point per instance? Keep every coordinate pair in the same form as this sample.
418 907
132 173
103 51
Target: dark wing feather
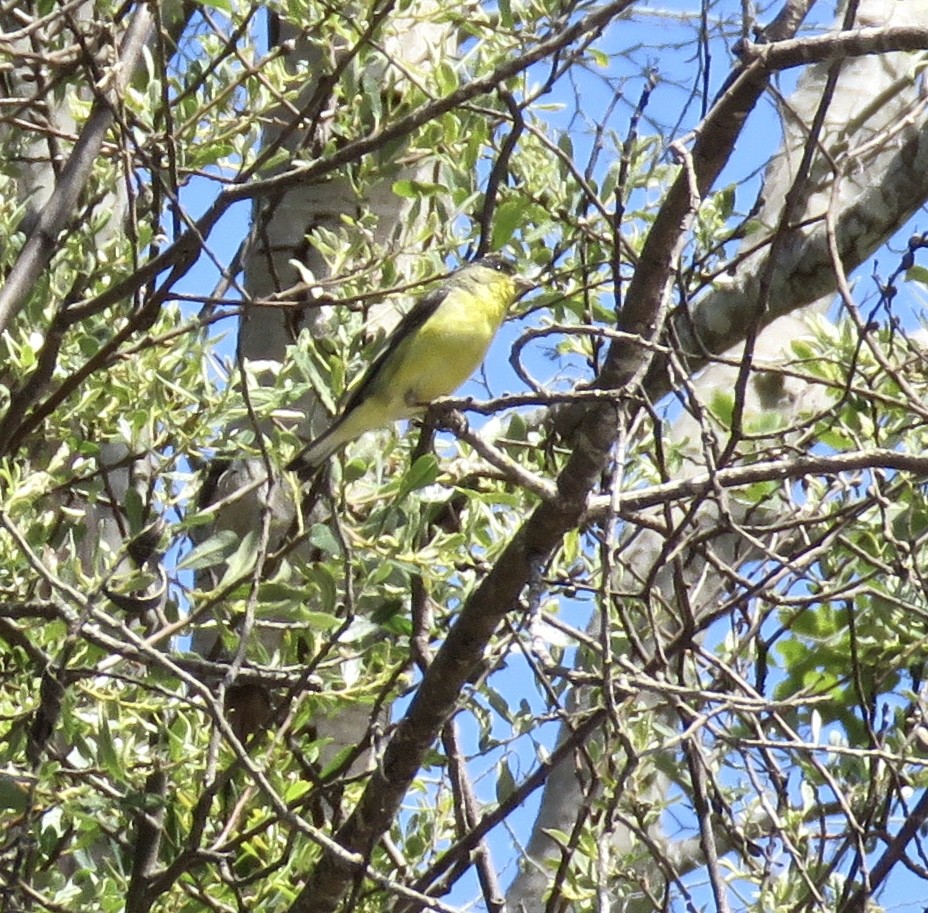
415 318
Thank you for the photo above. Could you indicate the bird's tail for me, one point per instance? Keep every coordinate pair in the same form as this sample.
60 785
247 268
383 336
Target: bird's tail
312 457
346 428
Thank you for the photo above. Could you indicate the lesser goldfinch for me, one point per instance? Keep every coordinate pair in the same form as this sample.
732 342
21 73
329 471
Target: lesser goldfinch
432 351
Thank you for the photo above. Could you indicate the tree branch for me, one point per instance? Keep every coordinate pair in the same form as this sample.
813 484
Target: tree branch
43 241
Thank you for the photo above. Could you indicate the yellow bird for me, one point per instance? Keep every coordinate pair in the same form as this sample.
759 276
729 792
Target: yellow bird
432 351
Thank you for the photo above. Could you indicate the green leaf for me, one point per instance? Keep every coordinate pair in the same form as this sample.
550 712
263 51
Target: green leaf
723 406
340 758
321 537
414 190
507 218
917 274
505 781
106 752
446 77
391 615
725 201
422 473
14 793
213 551
505 13
241 563
802 349
297 790
499 704
372 95
135 509
321 577
320 621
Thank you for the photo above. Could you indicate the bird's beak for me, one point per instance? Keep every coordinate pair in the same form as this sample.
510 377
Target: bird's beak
524 285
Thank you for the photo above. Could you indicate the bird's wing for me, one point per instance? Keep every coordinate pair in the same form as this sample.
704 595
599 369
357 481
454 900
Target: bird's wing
423 309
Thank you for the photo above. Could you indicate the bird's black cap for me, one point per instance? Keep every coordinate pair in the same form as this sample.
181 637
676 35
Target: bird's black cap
499 263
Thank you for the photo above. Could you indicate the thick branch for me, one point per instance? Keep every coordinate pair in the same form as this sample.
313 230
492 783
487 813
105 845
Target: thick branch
783 470
785 55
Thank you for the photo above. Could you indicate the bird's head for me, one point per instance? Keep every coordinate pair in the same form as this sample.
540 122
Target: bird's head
500 265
